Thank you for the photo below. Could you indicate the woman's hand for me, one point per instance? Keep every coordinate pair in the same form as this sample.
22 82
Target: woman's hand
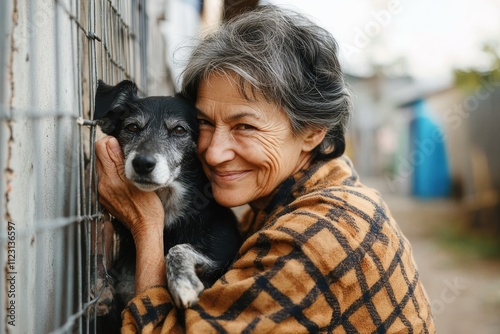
141 212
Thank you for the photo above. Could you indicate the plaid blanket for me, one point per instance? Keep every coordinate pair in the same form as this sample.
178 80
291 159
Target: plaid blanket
324 256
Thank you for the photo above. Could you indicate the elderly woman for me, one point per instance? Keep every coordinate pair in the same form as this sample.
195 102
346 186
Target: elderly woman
321 252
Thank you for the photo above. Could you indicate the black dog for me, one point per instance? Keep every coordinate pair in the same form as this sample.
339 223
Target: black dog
158 137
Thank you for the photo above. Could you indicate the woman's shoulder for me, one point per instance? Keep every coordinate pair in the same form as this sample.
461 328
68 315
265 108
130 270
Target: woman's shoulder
328 196
332 190
349 210
335 207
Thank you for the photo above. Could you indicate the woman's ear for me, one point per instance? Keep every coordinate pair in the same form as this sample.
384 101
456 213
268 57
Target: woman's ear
312 137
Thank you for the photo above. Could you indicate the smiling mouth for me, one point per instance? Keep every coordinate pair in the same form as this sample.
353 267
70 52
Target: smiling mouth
227 176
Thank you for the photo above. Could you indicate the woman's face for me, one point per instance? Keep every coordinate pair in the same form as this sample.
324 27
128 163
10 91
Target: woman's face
247 148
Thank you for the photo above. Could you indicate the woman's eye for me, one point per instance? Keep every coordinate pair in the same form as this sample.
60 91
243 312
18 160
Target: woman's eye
179 131
202 121
133 128
245 127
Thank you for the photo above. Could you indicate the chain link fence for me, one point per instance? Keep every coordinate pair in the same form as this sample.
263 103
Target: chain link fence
53 52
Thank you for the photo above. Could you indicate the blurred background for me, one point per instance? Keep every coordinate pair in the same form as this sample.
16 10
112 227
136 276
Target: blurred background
425 77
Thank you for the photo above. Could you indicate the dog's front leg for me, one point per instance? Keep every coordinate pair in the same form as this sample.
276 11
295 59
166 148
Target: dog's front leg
183 262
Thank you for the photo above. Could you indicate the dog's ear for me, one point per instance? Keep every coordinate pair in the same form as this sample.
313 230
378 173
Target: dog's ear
111 101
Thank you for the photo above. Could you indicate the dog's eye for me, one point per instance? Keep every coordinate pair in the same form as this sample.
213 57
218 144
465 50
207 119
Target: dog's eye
179 131
132 128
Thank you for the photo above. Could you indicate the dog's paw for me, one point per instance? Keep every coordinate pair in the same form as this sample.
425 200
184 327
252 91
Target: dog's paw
183 262
105 292
185 290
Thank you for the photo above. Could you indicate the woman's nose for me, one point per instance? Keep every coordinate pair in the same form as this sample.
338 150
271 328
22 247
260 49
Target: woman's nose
219 148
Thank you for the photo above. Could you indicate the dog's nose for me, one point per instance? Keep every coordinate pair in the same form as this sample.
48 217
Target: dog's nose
144 164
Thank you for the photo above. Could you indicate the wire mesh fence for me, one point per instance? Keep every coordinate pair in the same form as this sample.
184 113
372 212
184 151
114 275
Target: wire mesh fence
53 52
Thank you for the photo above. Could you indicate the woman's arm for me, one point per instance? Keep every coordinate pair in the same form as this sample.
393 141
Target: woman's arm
150 268
141 212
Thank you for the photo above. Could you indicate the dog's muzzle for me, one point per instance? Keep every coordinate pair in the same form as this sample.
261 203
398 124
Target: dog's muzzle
149 172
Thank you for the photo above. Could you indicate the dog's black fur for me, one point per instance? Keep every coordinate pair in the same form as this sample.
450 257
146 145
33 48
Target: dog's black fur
158 138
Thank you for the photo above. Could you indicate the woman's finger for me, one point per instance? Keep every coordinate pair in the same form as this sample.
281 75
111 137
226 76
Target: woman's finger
115 154
108 166
104 164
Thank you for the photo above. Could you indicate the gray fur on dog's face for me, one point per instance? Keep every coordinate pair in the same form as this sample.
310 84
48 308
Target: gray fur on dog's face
157 134
154 164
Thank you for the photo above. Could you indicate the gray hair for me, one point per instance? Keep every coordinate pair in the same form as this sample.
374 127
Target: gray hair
285 58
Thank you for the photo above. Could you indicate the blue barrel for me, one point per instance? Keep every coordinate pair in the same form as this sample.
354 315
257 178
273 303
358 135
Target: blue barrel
431 177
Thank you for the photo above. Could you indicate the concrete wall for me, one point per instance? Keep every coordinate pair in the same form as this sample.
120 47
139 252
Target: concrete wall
38 135
52 54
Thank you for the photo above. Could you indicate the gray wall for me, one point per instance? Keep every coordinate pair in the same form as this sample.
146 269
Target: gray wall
53 52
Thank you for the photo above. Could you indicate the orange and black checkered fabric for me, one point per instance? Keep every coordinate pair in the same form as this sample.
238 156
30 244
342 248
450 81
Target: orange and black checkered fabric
324 256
